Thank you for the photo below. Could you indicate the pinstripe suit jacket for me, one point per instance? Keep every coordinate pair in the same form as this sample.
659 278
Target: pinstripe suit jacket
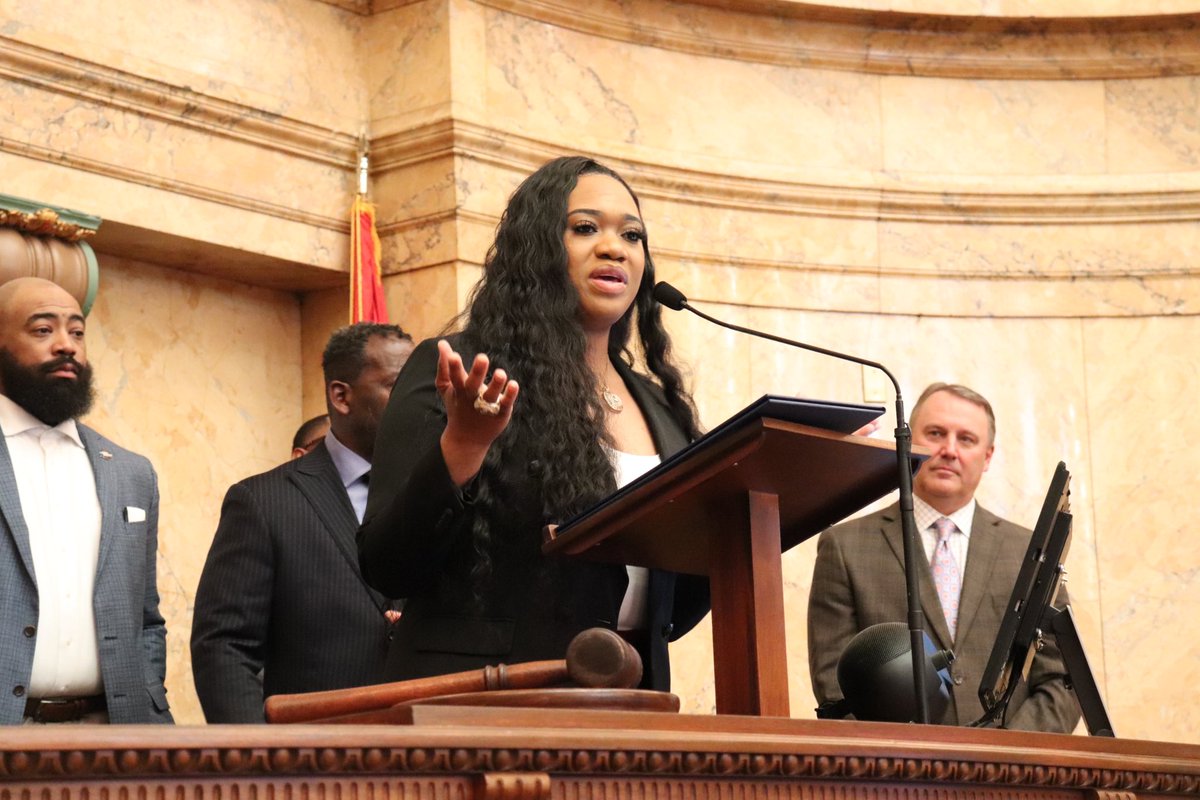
130 630
281 593
858 581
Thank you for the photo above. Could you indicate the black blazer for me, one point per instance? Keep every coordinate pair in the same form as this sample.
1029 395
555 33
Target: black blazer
416 543
281 593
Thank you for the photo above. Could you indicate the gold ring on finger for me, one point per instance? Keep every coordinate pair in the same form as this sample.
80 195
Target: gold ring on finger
486 408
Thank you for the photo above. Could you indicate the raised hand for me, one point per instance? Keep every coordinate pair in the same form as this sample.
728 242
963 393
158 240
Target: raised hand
477 410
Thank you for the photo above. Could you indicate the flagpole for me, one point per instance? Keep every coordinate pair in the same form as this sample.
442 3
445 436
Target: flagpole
356 212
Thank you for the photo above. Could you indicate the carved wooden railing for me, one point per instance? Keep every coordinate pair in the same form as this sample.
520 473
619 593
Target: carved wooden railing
456 753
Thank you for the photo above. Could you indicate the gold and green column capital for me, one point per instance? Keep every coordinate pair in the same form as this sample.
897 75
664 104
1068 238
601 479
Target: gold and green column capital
49 242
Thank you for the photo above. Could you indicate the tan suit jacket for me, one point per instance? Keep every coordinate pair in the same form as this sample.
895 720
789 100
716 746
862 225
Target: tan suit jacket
858 581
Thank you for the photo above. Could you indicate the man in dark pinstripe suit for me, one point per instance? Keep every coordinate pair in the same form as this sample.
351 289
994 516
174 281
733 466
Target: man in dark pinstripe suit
281 606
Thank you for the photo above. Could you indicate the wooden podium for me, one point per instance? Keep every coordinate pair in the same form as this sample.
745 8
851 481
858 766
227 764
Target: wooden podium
729 510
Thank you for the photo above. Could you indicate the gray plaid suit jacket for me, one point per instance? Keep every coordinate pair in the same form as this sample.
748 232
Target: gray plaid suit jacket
129 627
858 581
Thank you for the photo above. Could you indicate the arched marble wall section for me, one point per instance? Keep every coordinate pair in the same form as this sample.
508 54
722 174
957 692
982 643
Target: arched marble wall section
1001 192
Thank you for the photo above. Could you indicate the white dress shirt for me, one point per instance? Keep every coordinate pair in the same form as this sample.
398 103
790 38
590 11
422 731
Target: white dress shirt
925 515
62 512
633 606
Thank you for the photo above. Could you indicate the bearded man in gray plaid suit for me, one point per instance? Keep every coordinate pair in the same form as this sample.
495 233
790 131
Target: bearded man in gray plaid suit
81 636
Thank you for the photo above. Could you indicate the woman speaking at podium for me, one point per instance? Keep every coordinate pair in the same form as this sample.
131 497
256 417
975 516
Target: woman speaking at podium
529 415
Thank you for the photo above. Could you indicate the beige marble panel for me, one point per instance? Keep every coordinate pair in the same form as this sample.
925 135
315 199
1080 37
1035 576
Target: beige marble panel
716 363
468 59
485 181
1141 374
202 377
1014 8
130 145
813 200
405 61
424 301
475 235
1041 296
1064 270
1153 125
416 211
169 212
992 127
818 36
420 191
600 95
1032 8
292 57
794 287
466 278
418 245
776 237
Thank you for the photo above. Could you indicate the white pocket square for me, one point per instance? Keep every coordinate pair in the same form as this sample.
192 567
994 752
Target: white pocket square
135 514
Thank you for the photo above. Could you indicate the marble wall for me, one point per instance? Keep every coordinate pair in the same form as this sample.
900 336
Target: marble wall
1001 193
202 376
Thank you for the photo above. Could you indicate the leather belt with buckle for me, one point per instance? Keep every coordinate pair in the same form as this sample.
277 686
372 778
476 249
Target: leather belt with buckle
63 709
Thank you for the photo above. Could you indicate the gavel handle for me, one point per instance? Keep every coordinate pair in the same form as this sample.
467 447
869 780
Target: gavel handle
310 706
596 657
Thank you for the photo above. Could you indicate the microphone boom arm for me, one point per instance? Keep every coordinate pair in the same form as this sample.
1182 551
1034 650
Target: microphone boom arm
814 348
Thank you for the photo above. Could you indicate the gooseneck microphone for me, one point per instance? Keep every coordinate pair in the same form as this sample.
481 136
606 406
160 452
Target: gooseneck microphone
672 298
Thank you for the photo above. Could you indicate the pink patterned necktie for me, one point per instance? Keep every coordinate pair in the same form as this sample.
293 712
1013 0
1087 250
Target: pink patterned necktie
945 572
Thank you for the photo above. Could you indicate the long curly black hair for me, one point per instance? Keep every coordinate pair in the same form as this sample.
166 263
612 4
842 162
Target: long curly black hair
524 313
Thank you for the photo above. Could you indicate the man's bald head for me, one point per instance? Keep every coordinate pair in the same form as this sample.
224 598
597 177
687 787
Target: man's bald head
43 354
19 293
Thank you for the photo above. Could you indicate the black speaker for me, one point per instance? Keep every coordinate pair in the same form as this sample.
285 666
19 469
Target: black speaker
876 675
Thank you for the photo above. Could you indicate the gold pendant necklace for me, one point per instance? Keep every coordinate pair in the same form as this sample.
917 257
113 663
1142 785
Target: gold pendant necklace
612 399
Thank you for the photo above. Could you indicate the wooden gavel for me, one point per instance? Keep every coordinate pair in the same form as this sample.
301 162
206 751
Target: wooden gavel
597 658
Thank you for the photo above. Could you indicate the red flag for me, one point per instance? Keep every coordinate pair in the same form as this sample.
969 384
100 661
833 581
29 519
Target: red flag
366 278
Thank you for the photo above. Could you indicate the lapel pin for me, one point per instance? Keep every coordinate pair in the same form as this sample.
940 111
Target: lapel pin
107 456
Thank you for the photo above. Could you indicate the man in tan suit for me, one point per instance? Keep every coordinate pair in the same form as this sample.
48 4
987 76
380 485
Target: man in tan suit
858 579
